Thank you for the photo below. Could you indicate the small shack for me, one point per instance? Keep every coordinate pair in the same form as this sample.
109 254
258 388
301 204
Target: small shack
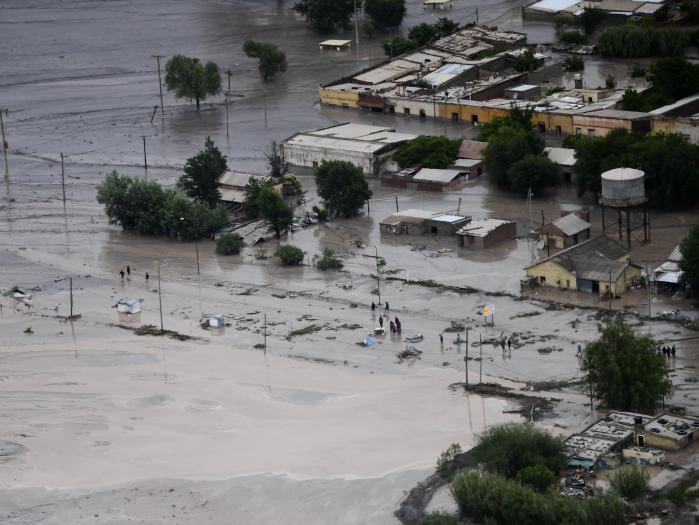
564 158
336 44
471 149
231 185
485 233
438 179
422 222
523 92
667 432
129 305
472 167
565 231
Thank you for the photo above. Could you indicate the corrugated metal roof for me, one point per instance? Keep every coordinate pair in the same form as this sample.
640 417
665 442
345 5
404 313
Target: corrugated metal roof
571 224
481 227
446 73
561 156
436 175
472 149
237 179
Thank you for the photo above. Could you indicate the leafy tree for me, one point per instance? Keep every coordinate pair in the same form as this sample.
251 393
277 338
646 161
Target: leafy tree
508 449
274 209
399 45
516 118
630 481
505 148
272 60
439 518
229 244
572 37
290 255
189 79
385 13
329 261
689 248
445 27
535 172
326 16
276 160
674 77
342 186
252 192
691 8
625 370
422 34
527 61
610 82
427 151
590 18
291 187
537 477
201 174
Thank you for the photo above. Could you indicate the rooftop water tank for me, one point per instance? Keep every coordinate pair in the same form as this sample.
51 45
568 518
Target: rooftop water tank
623 187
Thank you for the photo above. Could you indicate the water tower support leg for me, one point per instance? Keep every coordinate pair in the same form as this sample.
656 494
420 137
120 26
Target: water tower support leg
621 225
604 230
628 228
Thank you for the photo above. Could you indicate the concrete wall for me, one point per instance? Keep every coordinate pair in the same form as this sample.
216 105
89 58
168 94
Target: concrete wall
502 233
311 157
339 98
557 276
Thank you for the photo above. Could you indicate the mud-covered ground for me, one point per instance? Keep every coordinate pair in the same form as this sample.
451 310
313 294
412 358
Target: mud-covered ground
100 425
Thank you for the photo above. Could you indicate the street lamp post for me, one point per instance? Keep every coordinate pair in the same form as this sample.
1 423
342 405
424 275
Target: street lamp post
196 245
378 275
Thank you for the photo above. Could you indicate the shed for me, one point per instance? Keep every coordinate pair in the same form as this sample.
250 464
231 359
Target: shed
484 233
473 167
422 222
231 185
337 45
523 92
471 149
565 231
564 157
443 177
129 305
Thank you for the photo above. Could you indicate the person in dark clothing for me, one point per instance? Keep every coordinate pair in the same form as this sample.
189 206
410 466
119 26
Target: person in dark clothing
398 325
122 274
509 344
128 270
673 351
147 277
381 321
387 309
373 306
392 325
441 338
502 344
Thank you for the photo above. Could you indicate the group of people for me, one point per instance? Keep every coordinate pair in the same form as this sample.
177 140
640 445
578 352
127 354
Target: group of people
508 343
394 325
669 351
128 273
385 310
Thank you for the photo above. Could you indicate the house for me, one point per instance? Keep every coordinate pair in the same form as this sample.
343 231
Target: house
564 157
667 432
471 149
337 45
485 233
129 305
592 266
369 147
422 222
668 276
565 231
472 167
643 456
231 185
439 179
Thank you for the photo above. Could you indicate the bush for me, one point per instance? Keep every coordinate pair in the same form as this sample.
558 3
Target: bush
271 59
342 187
428 152
507 449
439 518
630 41
385 13
446 457
574 63
535 172
229 244
290 255
329 261
572 37
537 477
322 213
399 45
630 482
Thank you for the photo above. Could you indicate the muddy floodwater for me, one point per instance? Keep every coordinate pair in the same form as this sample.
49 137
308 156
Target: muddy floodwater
101 425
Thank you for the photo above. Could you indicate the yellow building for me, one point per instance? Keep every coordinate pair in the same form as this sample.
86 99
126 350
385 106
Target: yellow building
592 266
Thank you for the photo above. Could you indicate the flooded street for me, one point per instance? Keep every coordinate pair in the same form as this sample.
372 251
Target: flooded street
100 425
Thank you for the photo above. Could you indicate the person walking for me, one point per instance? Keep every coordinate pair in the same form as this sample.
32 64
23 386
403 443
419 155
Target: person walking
502 344
579 349
441 338
509 344
147 277
387 309
122 274
128 272
673 350
398 325
392 325
373 306
381 321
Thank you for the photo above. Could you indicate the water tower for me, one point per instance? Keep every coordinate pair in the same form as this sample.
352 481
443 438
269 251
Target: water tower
623 192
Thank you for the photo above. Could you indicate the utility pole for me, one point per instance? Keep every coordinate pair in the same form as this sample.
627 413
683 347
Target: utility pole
480 345
610 290
466 357
145 158
160 85
592 406
378 275
542 218
396 203
4 144
356 27
70 279
228 94
63 184
264 95
160 299
265 333
648 283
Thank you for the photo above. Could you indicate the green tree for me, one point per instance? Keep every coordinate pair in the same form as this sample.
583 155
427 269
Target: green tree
689 248
342 186
691 10
252 192
274 209
527 61
422 34
427 151
326 16
229 244
113 193
572 37
292 188
385 13
673 77
398 45
507 146
535 172
329 261
439 518
272 60
508 449
290 255
537 477
590 18
445 27
201 174
189 79
516 118
276 161
625 370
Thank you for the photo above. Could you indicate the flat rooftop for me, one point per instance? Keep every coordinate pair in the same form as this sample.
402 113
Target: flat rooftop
673 427
482 227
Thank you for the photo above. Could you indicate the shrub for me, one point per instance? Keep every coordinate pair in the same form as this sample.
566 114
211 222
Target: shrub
537 477
574 63
630 481
439 518
322 213
428 152
509 448
229 244
329 261
630 41
342 186
290 255
446 457
572 37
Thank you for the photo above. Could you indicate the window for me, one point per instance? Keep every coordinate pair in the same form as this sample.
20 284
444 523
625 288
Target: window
455 117
433 230
589 99
406 111
315 163
567 283
474 120
541 127
422 113
558 130
578 131
392 108
345 105
591 132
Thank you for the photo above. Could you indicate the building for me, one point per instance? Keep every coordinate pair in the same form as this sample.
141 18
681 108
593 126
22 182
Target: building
129 305
231 185
471 149
337 45
619 9
594 266
523 92
599 123
564 158
440 178
668 276
486 233
565 231
369 147
643 456
471 167
422 222
667 432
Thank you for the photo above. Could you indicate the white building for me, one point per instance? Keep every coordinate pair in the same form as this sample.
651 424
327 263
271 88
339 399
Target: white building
368 147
